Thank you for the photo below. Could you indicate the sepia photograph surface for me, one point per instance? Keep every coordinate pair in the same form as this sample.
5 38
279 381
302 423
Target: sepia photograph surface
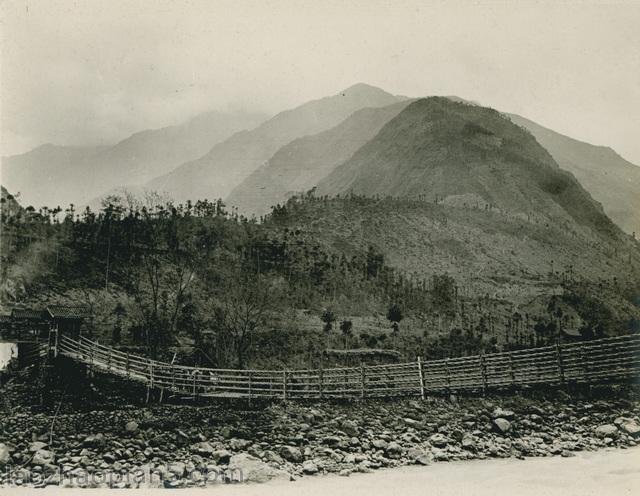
290 247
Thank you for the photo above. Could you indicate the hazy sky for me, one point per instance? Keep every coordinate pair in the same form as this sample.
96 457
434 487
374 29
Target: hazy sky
84 72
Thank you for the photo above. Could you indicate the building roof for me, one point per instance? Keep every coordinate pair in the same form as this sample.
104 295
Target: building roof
28 314
68 312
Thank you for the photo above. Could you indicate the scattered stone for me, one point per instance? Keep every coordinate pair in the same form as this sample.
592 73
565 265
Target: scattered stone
380 444
5 455
254 470
468 443
131 426
606 430
309 467
502 425
631 427
394 448
95 441
221 456
438 440
203 448
43 457
37 446
505 414
419 456
291 453
349 427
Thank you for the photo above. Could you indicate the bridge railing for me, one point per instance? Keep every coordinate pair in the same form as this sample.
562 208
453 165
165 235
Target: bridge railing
584 362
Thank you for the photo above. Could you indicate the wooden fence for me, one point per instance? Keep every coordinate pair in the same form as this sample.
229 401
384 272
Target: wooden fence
587 362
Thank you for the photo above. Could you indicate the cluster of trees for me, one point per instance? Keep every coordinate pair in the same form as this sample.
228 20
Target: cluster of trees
232 284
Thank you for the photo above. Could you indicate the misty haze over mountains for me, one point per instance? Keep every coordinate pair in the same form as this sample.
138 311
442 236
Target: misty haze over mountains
255 163
59 175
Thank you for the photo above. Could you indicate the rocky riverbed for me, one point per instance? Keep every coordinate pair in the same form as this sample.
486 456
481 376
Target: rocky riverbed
187 446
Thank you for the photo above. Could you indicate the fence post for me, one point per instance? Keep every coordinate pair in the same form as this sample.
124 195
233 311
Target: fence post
345 392
127 366
151 373
321 379
446 367
195 372
150 380
512 373
483 372
421 376
559 359
250 387
284 385
585 366
57 337
91 358
363 380
108 358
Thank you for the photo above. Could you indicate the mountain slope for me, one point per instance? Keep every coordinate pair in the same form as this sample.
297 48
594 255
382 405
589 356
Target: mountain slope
57 175
8 202
49 175
227 164
301 164
466 155
611 180
488 252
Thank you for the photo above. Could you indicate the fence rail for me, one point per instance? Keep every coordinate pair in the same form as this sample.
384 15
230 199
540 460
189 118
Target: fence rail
586 362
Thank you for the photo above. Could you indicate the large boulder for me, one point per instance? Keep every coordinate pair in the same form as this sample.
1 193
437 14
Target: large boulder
501 425
43 457
349 427
502 413
309 467
379 444
221 456
95 441
468 443
419 456
177 468
332 440
631 427
247 468
37 446
131 427
203 448
607 430
438 440
291 453
5 454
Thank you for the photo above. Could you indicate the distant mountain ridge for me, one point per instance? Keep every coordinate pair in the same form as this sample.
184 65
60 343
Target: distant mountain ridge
301 164
227 164
58 175
611 180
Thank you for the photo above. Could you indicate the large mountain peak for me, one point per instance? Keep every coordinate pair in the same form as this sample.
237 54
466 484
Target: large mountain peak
465 154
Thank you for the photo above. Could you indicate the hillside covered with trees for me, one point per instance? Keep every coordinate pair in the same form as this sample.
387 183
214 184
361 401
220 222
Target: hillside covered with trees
227 291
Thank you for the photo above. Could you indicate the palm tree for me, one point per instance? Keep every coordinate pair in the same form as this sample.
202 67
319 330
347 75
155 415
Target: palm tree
328 317
345 327
394 315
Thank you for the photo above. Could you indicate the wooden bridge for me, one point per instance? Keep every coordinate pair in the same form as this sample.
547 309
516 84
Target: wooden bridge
587 362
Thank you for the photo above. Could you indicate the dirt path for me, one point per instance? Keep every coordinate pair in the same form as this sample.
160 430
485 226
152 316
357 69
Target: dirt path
601 473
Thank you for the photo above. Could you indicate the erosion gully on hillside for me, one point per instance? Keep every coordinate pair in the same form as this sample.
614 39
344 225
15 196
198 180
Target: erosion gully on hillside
91 435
